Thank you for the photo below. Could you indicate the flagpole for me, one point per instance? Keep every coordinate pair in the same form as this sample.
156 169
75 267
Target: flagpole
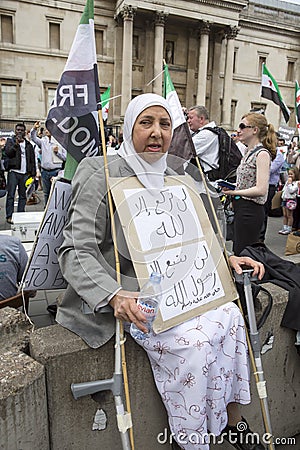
150 82
213 211
120 338
112 98
194 155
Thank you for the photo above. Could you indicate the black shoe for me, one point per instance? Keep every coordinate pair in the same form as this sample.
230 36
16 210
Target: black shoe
52 309
241 437
9 220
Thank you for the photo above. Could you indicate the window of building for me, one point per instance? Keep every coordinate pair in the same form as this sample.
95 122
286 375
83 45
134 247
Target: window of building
258 107
232 113
6 23
9 99
99 35
135 48
290 74
292 120
235 60
49 94
261 60
54 35
169 52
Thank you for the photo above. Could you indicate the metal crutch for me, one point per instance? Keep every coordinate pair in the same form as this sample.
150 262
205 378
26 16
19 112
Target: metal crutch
115 385
245 278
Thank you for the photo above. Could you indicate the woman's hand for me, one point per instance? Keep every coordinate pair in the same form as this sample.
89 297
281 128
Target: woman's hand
237 262
227 191
126 309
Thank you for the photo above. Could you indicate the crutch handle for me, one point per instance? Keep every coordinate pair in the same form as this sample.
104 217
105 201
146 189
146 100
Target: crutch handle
245 275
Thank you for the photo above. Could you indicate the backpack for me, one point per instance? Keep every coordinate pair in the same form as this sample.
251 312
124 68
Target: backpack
229 156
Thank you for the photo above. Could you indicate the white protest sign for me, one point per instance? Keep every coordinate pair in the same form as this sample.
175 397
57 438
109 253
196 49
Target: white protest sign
286 133
43 271
168 231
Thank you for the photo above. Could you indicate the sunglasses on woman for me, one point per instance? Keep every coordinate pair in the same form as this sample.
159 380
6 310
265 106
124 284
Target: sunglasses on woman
242 126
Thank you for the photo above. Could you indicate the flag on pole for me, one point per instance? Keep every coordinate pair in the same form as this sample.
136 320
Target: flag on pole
270 90
182 145
73 115
297 105
105 103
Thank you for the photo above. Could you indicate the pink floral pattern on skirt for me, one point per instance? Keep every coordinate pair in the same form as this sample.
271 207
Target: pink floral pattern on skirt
199 367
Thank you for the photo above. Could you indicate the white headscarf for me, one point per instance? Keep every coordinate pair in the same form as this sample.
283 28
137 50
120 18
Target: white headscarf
150 175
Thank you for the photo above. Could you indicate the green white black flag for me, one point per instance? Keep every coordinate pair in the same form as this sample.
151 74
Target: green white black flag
73 116
105 103
182 145
270 90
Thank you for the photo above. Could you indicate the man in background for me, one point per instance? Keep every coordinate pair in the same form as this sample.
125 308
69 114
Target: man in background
20 163
242 147
205 141
275 171
52 157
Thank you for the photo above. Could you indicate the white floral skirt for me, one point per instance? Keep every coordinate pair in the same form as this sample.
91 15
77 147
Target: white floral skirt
199 367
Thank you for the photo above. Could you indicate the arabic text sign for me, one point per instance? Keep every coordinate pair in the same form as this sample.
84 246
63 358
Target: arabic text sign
162 218
168 231
190 278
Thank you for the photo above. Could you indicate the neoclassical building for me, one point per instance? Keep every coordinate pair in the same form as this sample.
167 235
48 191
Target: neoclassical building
214 49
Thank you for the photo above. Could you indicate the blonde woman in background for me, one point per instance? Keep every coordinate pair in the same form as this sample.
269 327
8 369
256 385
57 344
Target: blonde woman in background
252 179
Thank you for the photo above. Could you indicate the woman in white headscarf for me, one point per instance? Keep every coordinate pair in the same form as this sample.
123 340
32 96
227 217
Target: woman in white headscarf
200 367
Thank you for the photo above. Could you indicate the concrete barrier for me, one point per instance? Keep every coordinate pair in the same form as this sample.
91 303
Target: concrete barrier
282 372
14 330
67 359
23 400
281 367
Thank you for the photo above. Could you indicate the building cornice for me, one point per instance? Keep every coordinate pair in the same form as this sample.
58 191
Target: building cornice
257 80
276 28
270 18
214 11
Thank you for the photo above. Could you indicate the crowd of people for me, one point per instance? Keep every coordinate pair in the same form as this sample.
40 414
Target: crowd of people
208 382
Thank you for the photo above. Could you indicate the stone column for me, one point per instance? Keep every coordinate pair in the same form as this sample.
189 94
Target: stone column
159 22
191 79
127 14
202 63
216 89
148 56
228 77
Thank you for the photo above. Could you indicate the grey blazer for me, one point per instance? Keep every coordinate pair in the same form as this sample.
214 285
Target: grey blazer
86 256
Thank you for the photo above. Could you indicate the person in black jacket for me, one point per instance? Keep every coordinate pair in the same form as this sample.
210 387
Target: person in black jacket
20 164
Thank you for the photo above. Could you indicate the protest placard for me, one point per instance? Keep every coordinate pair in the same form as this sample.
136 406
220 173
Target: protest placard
43 271
286 133
168 231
